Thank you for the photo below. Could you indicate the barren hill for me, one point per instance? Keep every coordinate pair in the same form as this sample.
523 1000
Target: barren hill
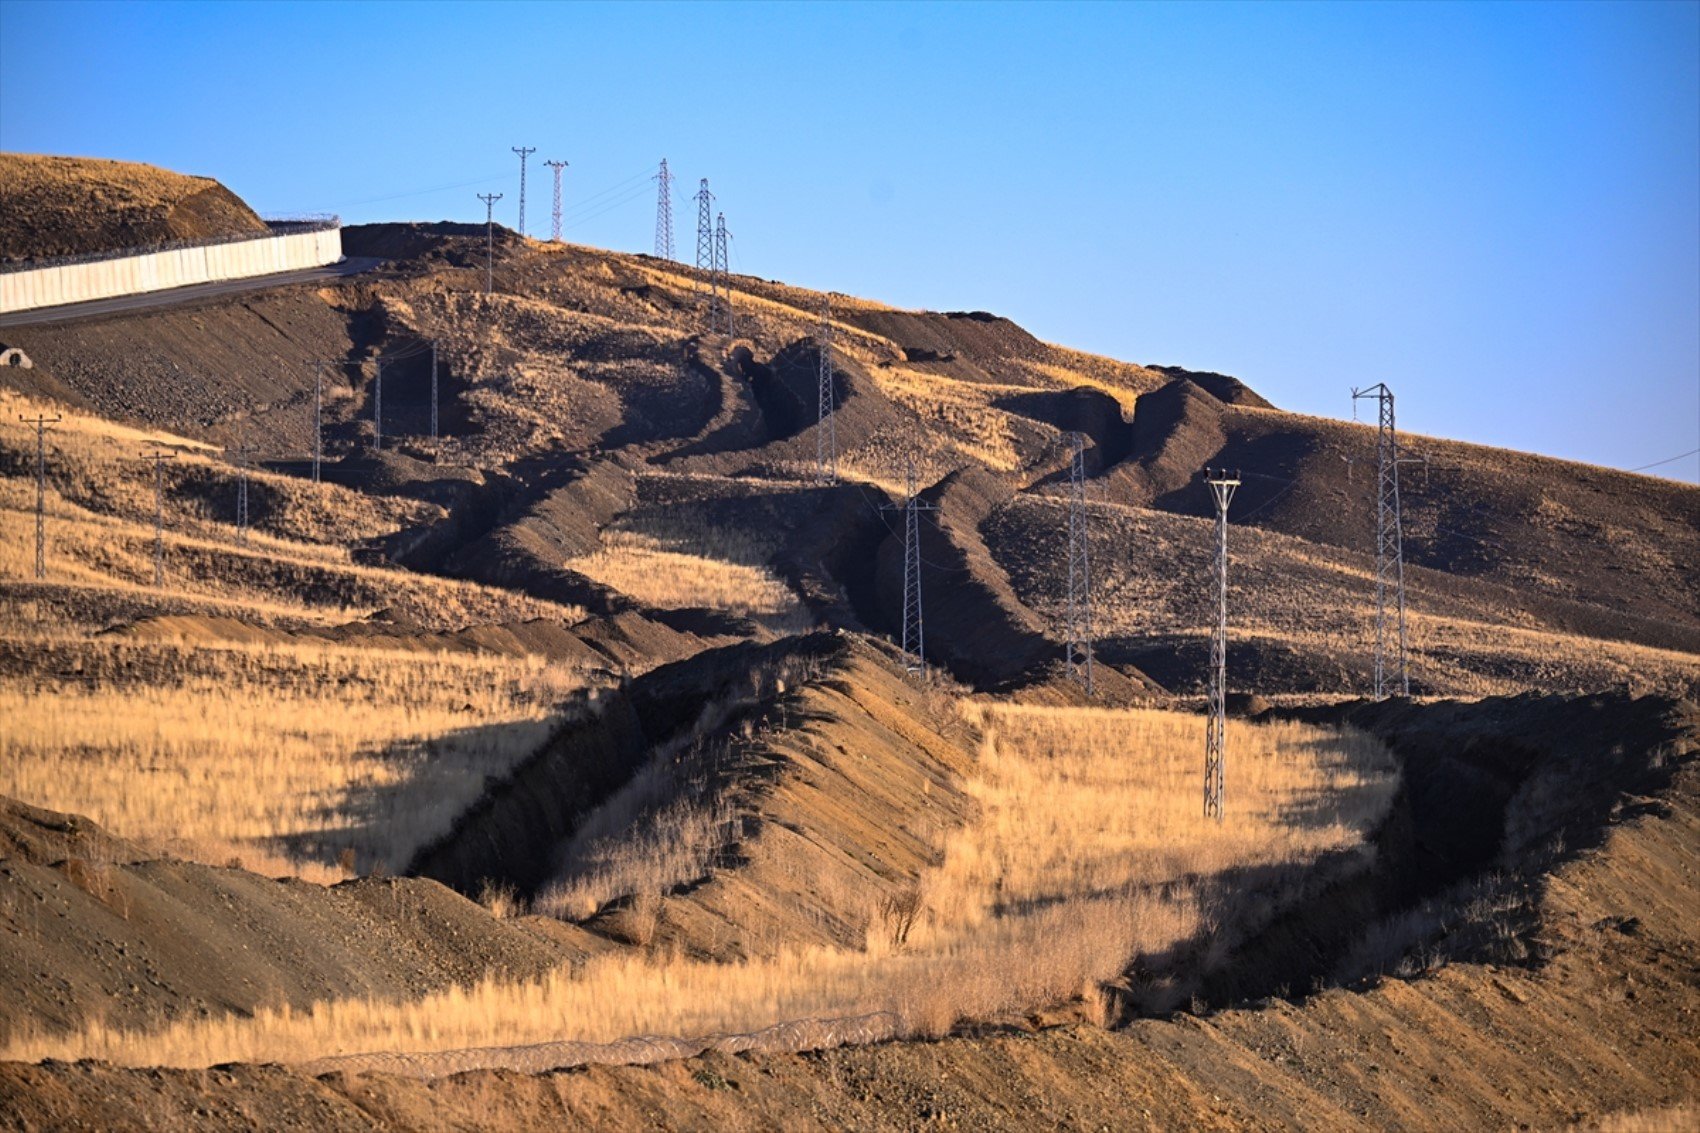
585 719
67 206
593 432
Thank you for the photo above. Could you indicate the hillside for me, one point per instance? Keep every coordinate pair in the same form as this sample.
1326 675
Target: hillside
420 796
70 206
600 450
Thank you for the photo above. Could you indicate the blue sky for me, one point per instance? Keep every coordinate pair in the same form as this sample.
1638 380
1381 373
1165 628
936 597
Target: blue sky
1493 208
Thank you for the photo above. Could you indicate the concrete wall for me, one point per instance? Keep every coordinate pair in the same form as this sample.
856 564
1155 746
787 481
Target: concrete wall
177 267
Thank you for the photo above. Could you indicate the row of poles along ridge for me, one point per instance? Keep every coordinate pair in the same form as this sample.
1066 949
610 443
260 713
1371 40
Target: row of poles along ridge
1391 643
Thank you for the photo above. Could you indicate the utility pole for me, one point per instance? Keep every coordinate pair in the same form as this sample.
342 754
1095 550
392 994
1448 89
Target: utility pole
41 422
664 213
1079 628
159 459
1222 488
826 434
914 630
433 389
490 200
1389 541
705 249
378 407
555 213
720 271
242 485
318 414
524 152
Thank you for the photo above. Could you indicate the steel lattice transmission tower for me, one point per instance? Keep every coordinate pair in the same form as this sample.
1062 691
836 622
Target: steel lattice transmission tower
725 293
1389 543
158 460
524 152
489 200
1222 488
555 210
378 407
914 628
826 434
41 422
705 248
664 213
1079 610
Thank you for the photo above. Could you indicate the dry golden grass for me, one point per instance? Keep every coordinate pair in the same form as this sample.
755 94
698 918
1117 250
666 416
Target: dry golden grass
1090 850
100 533
297 752
643 567
1079 802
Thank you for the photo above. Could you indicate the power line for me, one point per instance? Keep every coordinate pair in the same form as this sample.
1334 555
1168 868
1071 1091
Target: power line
1667 460
1215 732
524 152
41 423
555 211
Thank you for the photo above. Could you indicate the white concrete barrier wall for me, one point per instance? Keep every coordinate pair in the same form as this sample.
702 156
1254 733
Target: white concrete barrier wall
158 271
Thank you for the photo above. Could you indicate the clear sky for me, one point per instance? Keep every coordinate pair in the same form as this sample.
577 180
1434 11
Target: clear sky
1494 208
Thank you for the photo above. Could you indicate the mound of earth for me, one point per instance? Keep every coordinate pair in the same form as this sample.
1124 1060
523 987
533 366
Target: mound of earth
1554 987
96 928
71 206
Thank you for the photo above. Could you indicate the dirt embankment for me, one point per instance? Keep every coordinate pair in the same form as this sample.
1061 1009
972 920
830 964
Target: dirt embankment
93 928
1596 1019
838 792
975 625
68 206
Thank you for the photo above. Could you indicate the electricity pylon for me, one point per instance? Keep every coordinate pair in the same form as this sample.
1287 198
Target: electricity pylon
378 407
1389 541
664 213
489 200
433 389
41 422
555 211
826 434
720 272
158 459
914 628
524 152
705 249
1079 612
1222 488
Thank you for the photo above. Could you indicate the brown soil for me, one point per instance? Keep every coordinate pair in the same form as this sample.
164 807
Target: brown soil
66 206
97 928
1601 1021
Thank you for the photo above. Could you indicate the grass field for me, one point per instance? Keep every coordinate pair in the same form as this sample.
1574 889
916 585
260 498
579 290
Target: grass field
285 757
1090 849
